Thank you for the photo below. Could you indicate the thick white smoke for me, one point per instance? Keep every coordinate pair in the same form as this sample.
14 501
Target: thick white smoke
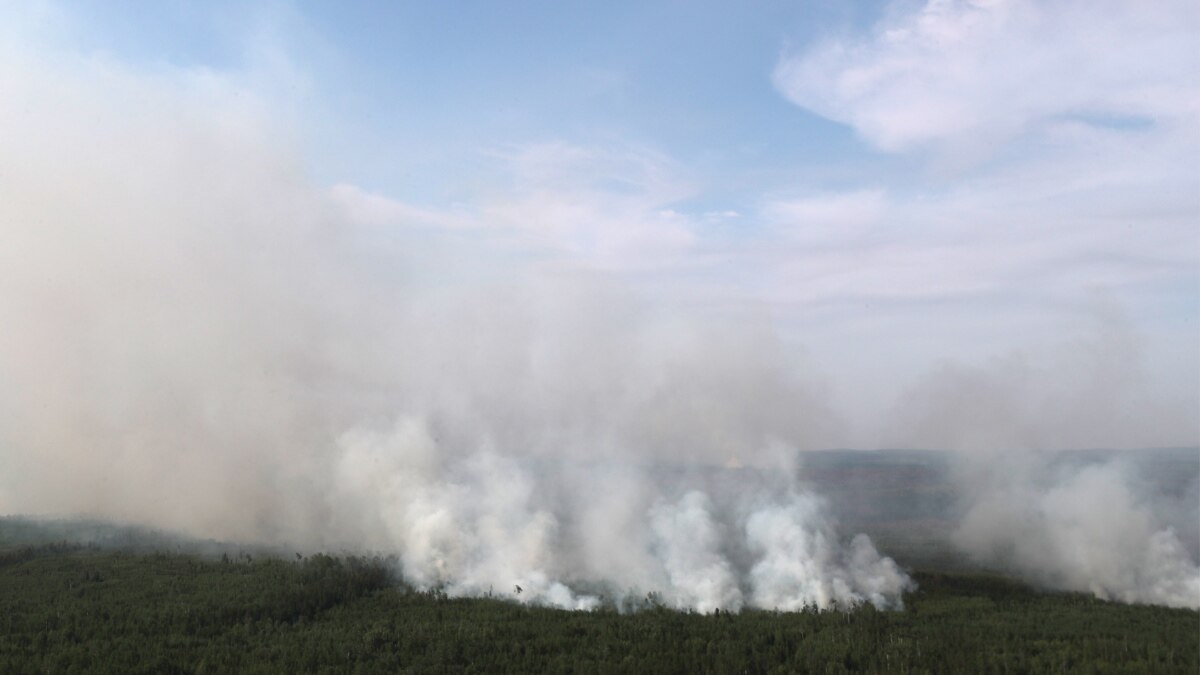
802 564
689 543
193 337
480 522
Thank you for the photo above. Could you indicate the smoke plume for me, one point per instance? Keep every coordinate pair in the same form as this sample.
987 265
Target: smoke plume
1080 528
194 337
1087 522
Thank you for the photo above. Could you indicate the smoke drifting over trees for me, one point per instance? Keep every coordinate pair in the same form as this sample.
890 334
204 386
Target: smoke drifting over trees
195 337
1085 526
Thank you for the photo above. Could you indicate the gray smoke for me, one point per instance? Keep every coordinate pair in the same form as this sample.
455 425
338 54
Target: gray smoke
1080 528
1094 526
194 338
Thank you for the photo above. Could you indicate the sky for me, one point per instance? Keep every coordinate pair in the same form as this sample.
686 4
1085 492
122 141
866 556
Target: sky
938 207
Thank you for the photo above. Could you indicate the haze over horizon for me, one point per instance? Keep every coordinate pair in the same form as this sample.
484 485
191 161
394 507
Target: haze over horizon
298 271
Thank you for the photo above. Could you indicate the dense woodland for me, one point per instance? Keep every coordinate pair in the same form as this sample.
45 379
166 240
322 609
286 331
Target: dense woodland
74 608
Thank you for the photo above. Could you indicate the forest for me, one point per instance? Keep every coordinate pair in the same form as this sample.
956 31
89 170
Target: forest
71 607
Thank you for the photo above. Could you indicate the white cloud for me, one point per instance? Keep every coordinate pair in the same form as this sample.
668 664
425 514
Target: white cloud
607 208
591 207
1087 115
972 74
368 208
828 217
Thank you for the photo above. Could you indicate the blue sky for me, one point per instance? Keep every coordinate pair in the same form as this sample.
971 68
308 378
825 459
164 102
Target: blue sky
904 189
401 97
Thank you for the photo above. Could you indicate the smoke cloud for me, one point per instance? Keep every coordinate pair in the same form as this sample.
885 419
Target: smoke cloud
193 337
1087 522
1080 528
